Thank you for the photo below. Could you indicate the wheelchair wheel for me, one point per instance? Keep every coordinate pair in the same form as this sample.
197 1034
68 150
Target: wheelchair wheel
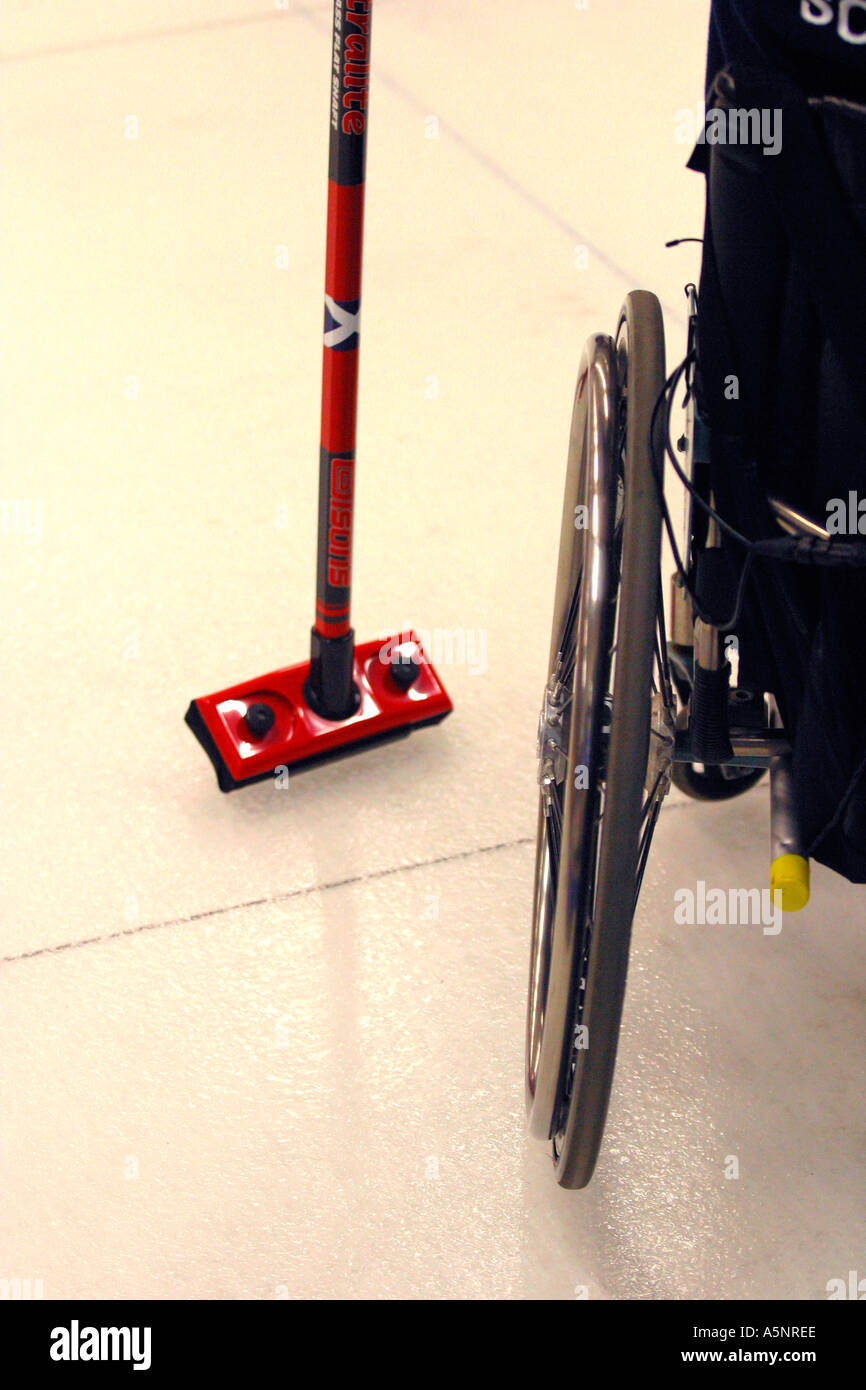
605 741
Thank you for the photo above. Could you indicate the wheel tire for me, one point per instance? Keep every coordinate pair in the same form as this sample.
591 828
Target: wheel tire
584 903
641 378
582 617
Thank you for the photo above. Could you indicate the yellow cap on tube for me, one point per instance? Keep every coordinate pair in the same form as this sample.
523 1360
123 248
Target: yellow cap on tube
790 875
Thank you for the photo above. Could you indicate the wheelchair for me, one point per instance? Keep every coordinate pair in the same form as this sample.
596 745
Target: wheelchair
715 688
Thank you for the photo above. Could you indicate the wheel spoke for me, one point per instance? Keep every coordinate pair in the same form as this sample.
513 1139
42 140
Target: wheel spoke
567 638
644 848
653 796
664 663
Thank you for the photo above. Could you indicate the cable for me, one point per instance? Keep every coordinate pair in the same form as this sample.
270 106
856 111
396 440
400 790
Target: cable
798 550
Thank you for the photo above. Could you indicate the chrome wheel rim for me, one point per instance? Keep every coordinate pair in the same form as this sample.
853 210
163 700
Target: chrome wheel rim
579 664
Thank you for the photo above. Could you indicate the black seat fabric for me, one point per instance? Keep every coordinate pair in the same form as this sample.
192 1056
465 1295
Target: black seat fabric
821 44
782 385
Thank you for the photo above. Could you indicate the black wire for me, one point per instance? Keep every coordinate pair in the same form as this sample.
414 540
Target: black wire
687 483
658 475
667 395
782 549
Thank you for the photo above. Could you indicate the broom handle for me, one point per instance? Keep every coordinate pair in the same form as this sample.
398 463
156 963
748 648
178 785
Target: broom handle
331 673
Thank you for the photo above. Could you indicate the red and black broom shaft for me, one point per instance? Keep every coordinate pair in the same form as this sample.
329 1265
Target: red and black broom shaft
330 688
251 729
